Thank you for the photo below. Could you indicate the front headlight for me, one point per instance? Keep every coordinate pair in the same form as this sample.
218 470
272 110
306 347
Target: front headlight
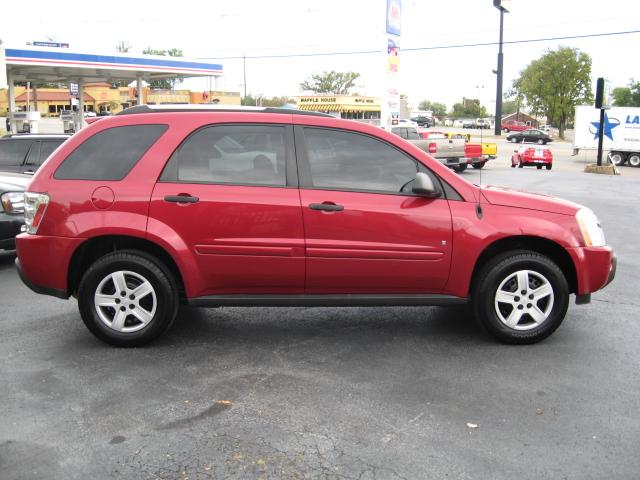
13 202
592 232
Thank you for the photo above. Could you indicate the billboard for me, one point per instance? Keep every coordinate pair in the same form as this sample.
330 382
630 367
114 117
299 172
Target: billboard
394 10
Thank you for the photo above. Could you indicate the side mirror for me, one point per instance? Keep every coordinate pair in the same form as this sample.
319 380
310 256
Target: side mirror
423 186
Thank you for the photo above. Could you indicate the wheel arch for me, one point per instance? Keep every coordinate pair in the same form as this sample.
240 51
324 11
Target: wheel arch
94 248
543 246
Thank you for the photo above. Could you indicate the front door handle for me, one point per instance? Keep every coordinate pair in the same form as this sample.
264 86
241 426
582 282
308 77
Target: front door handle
182 198
326 207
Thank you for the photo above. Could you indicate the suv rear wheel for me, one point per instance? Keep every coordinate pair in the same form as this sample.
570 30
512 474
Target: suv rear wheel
521 297
127 298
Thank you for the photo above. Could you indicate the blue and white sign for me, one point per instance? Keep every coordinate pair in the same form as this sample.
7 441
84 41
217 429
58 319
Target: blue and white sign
73 89
394 10
50 44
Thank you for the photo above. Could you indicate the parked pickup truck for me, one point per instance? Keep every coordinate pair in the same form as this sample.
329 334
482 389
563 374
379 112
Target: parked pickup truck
479 153
449 152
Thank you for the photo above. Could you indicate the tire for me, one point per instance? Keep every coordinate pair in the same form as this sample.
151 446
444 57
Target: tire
496 295
520 164
513 140
539 167
478 165
505 130
634 160
541 141
618 158
144 318
548 166
460 168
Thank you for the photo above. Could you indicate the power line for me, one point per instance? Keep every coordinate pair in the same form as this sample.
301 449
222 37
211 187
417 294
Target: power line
415 49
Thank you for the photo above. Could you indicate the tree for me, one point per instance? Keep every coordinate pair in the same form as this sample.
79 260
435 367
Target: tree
268 102
168 83
555 83
509 107
123 46
437 109
627 96
337 83
468 108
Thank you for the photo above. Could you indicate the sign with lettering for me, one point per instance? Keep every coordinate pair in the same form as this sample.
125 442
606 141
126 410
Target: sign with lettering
394 9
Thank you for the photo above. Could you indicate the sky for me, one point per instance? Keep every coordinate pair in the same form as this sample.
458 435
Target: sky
221 30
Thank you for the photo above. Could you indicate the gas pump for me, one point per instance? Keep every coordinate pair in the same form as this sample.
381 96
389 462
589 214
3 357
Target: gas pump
68 118
26 122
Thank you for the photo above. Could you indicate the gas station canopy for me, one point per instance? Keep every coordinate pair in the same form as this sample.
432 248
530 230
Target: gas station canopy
52 64
43 64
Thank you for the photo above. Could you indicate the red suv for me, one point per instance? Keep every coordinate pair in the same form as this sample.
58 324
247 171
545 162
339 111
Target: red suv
155 207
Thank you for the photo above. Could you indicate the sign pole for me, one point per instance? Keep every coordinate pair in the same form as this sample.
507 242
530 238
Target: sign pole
600 103
600 135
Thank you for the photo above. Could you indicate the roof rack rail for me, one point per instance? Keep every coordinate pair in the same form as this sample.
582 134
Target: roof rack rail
138 109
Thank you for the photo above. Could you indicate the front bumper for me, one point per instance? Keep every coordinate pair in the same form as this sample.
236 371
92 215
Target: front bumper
595 269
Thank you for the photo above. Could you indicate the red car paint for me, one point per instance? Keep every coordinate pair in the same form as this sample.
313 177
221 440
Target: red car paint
473 152
532 156
514 126
261 240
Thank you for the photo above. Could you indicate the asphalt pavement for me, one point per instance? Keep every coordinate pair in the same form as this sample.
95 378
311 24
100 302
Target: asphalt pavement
334 393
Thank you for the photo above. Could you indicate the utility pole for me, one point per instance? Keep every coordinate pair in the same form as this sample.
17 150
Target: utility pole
502 6
244 77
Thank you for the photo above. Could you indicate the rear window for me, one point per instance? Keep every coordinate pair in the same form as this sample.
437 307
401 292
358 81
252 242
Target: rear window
109 154
12 152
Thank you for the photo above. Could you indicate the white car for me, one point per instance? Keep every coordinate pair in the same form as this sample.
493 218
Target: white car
407 123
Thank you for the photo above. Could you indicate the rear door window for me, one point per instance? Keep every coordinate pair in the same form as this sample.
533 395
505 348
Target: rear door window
13 152
109 154
231 154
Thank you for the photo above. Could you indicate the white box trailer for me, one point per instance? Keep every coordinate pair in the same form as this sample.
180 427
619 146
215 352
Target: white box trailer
621 133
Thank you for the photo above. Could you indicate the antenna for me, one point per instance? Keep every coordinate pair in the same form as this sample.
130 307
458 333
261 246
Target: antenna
481 125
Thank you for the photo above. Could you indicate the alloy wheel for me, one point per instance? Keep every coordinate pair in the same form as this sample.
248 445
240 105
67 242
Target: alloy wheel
125 301
524 300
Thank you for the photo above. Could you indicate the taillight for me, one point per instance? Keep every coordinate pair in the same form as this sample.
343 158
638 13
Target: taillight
432 147
35 204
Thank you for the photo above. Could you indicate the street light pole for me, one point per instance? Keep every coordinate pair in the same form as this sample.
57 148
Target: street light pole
500 5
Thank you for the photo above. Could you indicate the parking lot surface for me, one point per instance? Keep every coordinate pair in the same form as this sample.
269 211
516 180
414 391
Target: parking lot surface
333 393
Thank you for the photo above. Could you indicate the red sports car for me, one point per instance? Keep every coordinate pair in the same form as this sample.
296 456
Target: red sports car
534 156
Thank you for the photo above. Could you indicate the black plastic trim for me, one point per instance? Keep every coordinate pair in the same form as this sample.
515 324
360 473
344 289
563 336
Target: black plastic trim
345 300
583 299
54 292
612 273
326 207
181 199
138 109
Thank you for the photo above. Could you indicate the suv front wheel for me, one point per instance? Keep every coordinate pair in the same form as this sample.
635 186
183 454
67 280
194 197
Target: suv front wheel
127 298
520 297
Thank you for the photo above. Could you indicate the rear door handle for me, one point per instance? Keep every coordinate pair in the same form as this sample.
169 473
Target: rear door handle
326 207
182 198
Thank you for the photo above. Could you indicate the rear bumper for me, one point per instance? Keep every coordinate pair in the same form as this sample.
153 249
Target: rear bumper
453 161
37 288
43 262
